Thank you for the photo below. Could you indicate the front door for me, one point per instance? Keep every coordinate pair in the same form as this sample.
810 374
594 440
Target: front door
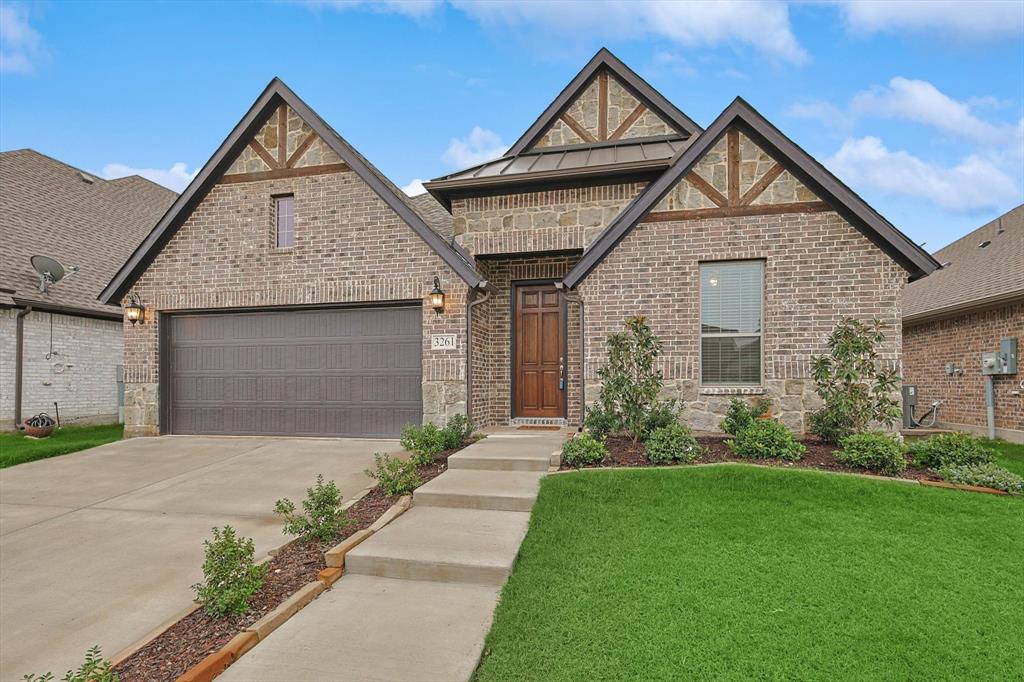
539 352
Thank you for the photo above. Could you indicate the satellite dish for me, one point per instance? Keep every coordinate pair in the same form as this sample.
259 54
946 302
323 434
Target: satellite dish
50 271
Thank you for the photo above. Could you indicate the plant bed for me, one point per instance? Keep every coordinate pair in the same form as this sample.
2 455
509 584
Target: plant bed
623 452
298 563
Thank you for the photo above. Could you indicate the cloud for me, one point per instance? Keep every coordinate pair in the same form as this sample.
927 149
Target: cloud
820 110
176 177
675 64
479 146
973 184
417 9
973 20
922 102
21 46
415 187
761 24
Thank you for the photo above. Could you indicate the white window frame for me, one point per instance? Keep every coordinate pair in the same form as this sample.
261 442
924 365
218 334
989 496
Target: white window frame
700 323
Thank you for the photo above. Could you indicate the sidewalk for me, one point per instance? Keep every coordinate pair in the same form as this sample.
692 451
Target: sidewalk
417 598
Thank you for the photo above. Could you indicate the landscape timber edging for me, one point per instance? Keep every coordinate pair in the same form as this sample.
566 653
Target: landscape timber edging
220 660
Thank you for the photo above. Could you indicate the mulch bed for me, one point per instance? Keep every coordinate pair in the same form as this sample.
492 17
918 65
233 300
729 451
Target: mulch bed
622 452
198 634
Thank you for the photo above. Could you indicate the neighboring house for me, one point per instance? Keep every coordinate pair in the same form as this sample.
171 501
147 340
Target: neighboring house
963 310
288 291
71 343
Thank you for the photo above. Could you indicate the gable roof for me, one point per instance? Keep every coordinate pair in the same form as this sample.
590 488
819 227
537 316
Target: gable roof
973 275
275 94
794 159
640 88
48 207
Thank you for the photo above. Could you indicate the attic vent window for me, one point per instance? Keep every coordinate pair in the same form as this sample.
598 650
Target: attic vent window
87 179
984 243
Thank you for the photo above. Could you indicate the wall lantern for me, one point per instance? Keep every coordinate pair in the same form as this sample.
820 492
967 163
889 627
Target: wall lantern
134 310
437 297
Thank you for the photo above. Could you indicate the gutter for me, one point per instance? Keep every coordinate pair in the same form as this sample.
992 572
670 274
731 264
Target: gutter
19 344
469 345
574 297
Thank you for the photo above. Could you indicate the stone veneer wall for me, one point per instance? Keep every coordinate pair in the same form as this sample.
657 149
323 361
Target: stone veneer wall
80 375
818 270
550 220
585 109
349 247
492 352
961 339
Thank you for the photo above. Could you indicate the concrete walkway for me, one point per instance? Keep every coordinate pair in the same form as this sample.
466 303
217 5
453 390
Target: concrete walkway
417 598
101 546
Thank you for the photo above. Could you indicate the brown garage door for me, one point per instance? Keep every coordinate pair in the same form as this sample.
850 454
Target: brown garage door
337 372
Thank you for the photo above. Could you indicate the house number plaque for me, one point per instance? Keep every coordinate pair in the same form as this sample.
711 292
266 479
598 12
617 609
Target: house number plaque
444 342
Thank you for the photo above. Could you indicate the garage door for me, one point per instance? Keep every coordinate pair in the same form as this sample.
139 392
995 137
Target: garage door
337 372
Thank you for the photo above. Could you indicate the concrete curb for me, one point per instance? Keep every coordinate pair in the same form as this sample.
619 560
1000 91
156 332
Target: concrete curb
218 661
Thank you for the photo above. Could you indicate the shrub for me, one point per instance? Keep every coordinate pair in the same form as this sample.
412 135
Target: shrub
950 449
630 382
230 577
673 443
984 474
599 422
663 414
741 415
873 450
423 442
583 449
323 519
856 391
395 476
457 431
767 439
95 668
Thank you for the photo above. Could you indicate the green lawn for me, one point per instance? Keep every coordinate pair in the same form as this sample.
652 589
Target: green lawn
15 448
1011 455
736 572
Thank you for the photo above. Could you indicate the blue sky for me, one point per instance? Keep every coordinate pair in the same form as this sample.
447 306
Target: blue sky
919 106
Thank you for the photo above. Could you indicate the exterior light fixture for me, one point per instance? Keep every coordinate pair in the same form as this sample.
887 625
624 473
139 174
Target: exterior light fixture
134 310
437 297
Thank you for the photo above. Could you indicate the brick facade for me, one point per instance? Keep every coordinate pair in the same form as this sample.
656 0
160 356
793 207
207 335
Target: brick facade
961 339
349 247
79 373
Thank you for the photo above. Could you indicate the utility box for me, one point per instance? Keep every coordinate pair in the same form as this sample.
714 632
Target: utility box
909 403
1002 361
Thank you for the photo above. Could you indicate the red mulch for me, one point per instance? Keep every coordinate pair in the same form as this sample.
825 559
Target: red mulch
622 452
198 635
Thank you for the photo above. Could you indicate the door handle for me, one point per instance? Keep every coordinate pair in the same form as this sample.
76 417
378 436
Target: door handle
561 373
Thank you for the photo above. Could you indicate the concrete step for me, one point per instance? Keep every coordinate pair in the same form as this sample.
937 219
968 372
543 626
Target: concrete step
511 452
443 545
470 489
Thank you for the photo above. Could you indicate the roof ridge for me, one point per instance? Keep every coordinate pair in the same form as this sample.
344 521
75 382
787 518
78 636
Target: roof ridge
56 161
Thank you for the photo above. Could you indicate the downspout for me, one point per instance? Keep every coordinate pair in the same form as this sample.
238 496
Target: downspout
469 345
574 297
19 344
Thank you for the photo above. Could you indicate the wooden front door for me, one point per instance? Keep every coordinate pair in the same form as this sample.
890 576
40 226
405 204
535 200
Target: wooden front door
539 353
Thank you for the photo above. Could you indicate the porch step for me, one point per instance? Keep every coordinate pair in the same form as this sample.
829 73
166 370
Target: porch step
469 489
443 545
500 460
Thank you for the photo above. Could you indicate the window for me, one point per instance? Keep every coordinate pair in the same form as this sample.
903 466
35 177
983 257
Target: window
730 322
285 221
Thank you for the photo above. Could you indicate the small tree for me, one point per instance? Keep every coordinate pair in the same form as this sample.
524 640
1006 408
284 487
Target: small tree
855 389
630 383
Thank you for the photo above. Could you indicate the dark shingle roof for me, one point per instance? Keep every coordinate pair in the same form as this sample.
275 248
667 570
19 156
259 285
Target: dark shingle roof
434 214
48 207
974 275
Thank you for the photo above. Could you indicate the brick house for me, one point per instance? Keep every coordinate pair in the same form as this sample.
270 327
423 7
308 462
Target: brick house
960 312
288 290
62 345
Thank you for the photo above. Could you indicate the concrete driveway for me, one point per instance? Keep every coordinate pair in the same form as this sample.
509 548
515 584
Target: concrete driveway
102 546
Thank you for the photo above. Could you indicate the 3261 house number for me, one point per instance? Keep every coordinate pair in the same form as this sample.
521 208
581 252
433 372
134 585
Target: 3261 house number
444 342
